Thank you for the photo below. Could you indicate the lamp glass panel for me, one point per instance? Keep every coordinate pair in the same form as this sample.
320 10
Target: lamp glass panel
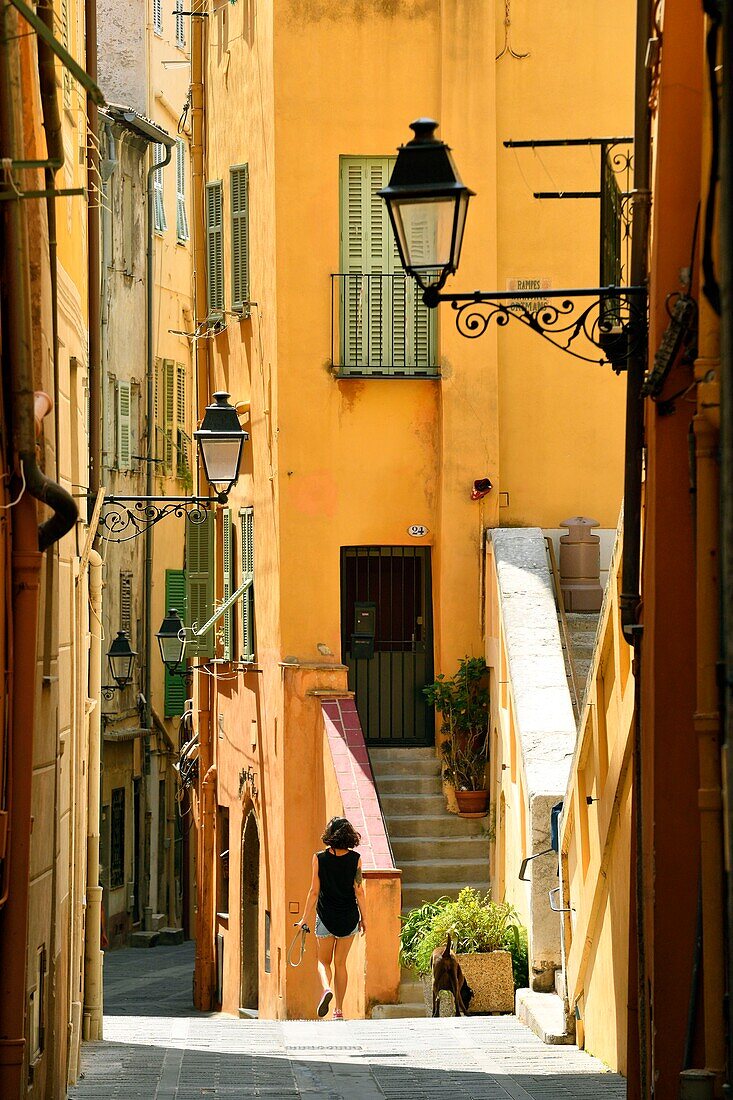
121 668
221 459
171 649
425 227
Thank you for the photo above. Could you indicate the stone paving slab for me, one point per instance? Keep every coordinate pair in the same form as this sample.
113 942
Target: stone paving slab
157 1047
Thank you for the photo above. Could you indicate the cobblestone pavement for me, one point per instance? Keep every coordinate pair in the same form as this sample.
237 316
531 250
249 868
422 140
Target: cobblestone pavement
157 1047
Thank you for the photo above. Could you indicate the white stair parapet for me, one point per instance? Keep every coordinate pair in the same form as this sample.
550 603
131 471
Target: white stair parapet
544 1014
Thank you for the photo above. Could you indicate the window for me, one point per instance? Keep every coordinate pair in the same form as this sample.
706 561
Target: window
239 178
228 582
126 602
172 439
180 27
174 685
37 1011
117 842
181 217
124 426
158 198
246 517
384 327
158 16
214 247
65 39
200 583
127 224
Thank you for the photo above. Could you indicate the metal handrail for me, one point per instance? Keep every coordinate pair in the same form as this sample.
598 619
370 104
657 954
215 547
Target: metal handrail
560 603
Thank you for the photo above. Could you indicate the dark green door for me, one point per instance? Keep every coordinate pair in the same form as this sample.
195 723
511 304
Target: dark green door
387 640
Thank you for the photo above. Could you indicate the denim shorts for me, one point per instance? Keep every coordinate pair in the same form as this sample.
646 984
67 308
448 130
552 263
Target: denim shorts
323 933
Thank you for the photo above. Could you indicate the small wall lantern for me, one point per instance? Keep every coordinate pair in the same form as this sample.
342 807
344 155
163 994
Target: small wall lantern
121 658
172 641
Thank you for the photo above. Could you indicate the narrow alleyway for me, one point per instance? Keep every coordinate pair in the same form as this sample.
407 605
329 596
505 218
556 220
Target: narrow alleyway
157 1047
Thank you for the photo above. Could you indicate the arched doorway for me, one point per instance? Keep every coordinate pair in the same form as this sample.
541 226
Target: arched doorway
250 920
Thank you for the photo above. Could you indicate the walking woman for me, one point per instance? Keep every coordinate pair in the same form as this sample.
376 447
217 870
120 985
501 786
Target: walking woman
337 892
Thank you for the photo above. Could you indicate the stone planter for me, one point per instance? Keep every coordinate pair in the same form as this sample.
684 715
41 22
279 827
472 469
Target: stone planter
490 977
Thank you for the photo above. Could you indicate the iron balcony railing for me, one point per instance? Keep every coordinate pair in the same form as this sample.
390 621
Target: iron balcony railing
381 328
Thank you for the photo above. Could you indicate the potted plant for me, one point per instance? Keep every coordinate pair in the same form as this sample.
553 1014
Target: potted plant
462 700
487 938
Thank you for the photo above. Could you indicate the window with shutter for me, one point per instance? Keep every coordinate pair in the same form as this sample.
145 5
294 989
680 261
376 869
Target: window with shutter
158 198
200 583
175 596
246 518
239 179
214 247
169 413
124 421
180 26
126 603
158 16
386 330
181 216
65 38
228 580
182 438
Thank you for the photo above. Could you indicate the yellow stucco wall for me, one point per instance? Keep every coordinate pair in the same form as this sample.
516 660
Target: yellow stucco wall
596 840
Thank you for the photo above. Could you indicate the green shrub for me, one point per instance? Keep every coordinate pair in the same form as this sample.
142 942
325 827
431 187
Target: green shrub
463 702
476 924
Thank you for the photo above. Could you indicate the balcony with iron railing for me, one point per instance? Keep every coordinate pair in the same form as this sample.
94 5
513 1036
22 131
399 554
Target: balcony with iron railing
380 327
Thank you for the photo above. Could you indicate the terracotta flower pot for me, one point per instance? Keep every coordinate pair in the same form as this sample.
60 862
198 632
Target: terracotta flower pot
472 803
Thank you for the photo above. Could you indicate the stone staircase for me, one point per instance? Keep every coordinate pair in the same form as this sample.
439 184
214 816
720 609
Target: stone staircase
438 852
582 627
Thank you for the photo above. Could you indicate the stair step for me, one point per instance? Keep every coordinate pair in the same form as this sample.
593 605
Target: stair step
395 785
413 896
415 871
433 825
392 768
411 993
544 1013
422 752
450 848
400 804
399 1012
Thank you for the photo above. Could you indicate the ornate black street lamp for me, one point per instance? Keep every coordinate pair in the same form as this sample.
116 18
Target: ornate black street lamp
121 660
428 203
427 206
172 641
221 440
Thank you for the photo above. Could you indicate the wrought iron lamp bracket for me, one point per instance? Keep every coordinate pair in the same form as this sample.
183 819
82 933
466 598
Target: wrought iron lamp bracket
612 319
125 518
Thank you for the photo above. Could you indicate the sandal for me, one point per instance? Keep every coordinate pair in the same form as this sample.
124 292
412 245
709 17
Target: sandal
338 1014
324 1003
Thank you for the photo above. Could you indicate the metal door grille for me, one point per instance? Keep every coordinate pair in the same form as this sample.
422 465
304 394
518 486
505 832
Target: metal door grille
394 583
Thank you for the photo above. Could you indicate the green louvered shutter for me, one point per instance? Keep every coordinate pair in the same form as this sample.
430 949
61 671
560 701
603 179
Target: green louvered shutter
124 421
246 518
169 397
175 596
386 329
200 583
239 179
214 247
227 588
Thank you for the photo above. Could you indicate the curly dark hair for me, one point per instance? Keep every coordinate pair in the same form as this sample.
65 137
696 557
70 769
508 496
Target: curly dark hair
340 833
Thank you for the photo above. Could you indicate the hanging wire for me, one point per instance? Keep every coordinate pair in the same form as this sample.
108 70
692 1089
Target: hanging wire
12 504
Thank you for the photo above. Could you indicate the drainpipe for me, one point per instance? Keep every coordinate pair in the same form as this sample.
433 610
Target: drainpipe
94 368
150 455
725 253
206 797
28 541
93 925
629 597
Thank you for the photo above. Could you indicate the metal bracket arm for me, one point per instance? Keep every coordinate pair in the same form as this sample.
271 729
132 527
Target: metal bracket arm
198 631
95 92
610 319
125 518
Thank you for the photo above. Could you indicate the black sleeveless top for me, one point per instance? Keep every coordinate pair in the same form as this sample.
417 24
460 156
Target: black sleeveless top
336 904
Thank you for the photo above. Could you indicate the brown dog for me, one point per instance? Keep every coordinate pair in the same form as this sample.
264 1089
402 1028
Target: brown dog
447 974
